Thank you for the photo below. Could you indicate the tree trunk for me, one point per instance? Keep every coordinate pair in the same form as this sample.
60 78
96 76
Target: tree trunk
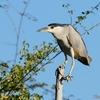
59 83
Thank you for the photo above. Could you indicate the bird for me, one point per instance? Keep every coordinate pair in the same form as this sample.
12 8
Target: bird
70 43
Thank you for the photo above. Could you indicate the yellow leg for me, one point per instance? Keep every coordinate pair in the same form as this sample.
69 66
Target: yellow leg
73 63
66 61
72 66
69 77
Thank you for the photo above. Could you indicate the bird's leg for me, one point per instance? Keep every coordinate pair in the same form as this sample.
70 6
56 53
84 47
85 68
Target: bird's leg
62 66
72 66
66 61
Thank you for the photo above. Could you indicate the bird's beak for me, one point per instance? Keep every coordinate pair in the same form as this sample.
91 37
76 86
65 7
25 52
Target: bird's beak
45 29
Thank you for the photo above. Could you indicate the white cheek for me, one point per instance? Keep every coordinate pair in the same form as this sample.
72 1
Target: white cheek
58 33
58 30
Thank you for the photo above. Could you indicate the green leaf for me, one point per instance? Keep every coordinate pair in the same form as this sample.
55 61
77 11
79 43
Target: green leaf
4 65
68 5
87 12
37 97
63 5
83 12
96 8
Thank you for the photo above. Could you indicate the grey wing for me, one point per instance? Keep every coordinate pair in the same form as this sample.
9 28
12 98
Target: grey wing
77 42
78 46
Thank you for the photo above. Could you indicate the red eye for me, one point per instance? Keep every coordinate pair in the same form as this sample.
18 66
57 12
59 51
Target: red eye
52 27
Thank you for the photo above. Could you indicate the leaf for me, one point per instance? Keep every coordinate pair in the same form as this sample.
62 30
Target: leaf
87 12
96 8
83 12
4 65
63 5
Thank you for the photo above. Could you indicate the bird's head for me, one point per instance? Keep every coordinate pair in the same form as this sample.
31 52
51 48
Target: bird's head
54 28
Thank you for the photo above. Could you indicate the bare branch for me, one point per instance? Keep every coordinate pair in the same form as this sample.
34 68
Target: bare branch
19 29
13 6
90 29
15 29
69 15
96 6
70 12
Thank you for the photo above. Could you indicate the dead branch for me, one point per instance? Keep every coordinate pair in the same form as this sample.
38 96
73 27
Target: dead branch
90 29
19 29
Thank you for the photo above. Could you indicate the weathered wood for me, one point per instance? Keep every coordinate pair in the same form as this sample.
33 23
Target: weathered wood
59 83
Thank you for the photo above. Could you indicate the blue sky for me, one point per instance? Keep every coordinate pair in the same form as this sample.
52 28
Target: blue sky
86 81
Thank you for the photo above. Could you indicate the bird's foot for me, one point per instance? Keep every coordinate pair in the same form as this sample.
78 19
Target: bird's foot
68 78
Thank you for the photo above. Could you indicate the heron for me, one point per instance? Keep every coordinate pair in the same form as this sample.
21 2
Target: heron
70 43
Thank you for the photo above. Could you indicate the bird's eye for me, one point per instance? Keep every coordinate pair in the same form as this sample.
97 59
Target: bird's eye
52 27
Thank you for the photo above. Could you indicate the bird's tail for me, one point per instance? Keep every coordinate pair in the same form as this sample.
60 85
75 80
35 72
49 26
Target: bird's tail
89 59
85 60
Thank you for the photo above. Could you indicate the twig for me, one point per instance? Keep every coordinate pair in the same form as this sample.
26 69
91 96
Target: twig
15 29
13 6
19 29
90 29
95 6
43 66
69 15
89 12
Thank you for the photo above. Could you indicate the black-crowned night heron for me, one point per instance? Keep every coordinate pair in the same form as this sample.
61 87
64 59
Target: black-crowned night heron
70 43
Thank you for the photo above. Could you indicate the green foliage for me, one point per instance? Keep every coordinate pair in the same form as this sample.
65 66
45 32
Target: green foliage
3 64
68 7
0 6
82 17
37 97
13 81
70 12
86 13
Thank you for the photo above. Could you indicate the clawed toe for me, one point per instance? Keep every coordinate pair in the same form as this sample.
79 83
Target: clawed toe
68 78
